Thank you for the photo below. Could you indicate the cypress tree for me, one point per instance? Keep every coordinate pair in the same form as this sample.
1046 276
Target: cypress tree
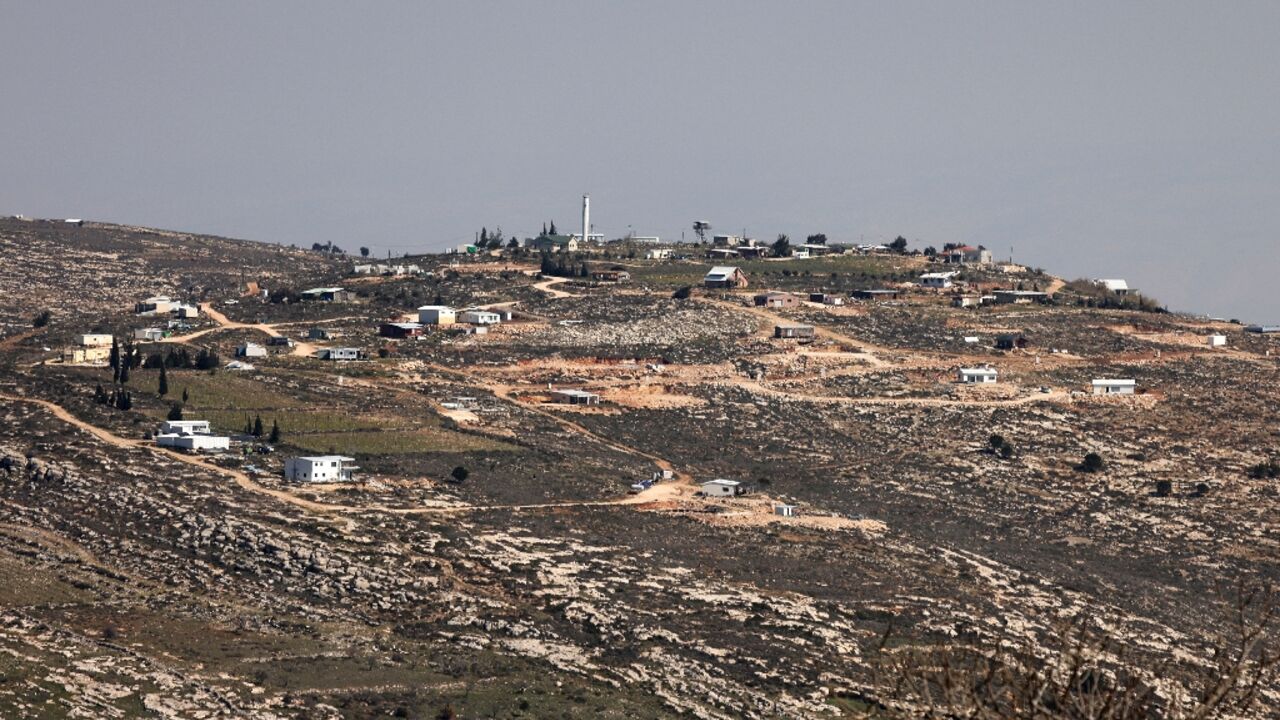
124 373
185 396
257 426
164 382
275 432
175 412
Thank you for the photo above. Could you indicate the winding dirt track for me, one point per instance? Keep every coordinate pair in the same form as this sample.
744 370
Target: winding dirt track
657 493
545 286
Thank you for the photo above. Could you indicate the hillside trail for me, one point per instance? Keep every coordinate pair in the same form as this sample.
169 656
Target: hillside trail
866 352
657 493
545 286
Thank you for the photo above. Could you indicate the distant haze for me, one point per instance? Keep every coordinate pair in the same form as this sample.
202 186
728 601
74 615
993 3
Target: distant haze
1134 140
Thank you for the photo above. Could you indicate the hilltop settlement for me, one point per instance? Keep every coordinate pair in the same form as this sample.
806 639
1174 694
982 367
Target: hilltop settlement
574 476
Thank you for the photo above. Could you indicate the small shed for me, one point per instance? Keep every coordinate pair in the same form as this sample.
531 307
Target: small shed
400 330
436 315
776 300
1217 340
876 294
251 350
575 397
977 376
784 510
722 488
1112 386
790 331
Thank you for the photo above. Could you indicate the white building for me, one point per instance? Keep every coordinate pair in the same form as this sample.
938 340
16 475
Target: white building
186 311
1115 285
320 468
978 376
252 350
657 254
194 443
1114 387
436 315
186 427
158 305
96 339
1217 340
575 397
151 334
721 488
344 353
239 365
724 276
481 317
936 280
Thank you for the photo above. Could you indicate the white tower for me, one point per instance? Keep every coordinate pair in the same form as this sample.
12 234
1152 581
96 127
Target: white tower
586 218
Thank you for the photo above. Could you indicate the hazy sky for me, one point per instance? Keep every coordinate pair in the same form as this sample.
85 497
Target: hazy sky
1134 140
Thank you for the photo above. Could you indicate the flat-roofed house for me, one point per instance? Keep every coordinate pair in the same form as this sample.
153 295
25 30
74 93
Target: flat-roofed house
977 376
95 339
722 488
343 353
400 330
437 315
320 469
158 305
1113 386
186 427
575 397
327 294
251 350
480 317
936 280
776 300
789 331
1020 297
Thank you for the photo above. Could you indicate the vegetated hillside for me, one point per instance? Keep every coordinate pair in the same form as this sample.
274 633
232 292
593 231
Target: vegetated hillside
491 561
76 270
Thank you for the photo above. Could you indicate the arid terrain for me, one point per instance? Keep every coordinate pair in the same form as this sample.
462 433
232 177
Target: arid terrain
930 516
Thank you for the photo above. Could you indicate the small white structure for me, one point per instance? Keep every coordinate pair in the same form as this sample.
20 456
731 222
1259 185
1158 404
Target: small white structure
977 376
575 397
158 305
96 339
194 443
1115 285
1111 386
240 365
151 334
437 315
320 468
344 353
185 311
784 510
251 350
186 427
481 317
721 488
936 280
657 254
1217 340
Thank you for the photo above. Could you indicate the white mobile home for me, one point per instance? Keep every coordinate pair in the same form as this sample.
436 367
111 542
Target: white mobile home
575 397
977 376
437 315
151 334
1109 386
722 488
186 427
936 280
481 317
320 468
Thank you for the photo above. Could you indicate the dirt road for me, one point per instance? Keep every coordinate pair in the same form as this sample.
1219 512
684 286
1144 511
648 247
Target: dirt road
545 286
